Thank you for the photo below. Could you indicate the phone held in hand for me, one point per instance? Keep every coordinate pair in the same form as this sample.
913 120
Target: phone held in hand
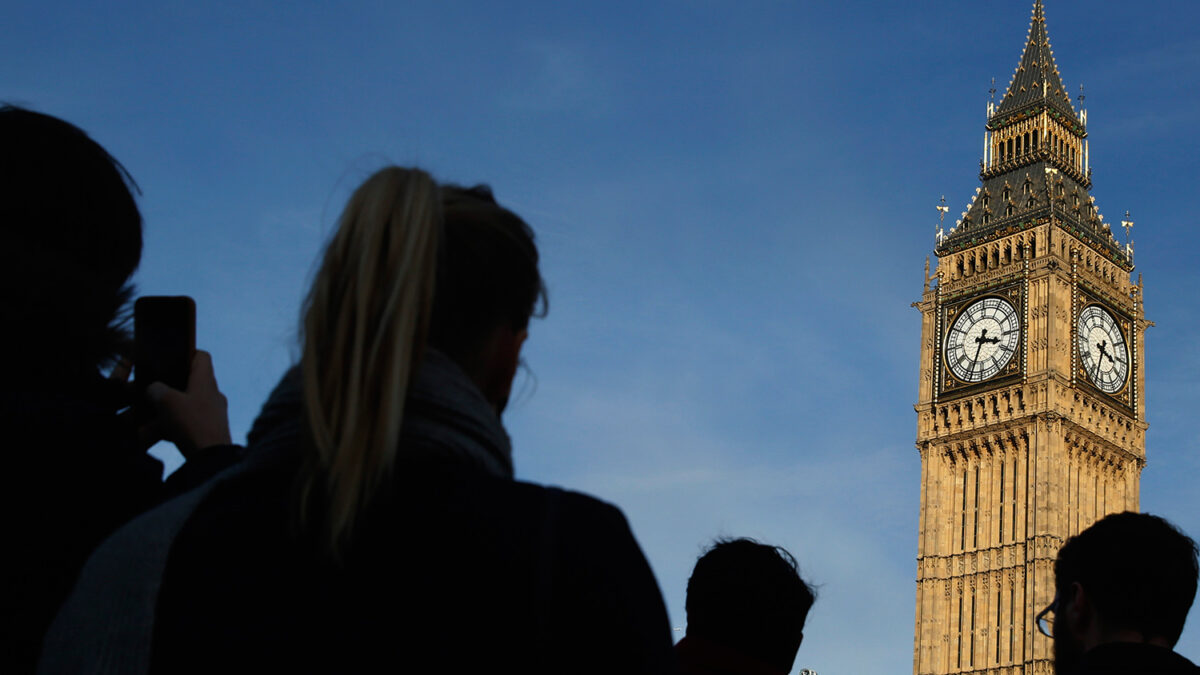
164 337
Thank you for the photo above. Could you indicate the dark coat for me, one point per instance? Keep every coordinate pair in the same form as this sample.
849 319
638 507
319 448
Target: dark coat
461 570
701 657
1133 658
73 473
458 566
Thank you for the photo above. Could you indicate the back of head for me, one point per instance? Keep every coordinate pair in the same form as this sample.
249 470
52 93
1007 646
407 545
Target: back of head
487 273
72 236
412 265
750 597
1138 570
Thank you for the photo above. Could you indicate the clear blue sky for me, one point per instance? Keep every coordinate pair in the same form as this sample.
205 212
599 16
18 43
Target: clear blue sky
734 202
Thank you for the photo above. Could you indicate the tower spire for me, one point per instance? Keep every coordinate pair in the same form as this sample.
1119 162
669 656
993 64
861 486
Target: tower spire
1036 165
1036 81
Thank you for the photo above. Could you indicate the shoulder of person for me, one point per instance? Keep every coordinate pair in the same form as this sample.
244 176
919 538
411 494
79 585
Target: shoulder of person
576 504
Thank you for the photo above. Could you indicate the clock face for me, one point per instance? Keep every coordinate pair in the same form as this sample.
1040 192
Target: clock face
983 339
1102 351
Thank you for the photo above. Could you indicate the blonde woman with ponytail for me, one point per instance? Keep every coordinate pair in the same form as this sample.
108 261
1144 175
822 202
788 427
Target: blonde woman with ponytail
376 525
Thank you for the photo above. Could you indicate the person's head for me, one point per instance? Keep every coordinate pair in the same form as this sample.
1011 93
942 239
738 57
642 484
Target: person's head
749 597
412 265
1128 577
70 237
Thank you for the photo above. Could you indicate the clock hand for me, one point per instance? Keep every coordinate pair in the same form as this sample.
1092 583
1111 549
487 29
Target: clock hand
984 338
979 346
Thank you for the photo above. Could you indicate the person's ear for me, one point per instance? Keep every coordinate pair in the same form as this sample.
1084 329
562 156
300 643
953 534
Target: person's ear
505 357
1078 611
510 350
518 343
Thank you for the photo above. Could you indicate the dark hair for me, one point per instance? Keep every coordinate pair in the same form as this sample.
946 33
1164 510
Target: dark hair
72 235
750 597
487 272
1139 571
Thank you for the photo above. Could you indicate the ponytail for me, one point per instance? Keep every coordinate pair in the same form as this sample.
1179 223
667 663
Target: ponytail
365 326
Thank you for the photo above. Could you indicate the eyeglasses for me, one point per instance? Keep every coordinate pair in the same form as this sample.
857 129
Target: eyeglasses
1045 619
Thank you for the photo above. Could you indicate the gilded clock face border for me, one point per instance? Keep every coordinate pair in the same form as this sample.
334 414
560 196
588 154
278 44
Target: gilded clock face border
1124 397
949 385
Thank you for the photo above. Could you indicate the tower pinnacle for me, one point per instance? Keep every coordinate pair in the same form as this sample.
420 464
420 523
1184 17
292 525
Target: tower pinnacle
1036 165
1036 80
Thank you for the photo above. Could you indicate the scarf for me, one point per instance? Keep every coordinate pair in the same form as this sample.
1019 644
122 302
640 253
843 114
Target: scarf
446 419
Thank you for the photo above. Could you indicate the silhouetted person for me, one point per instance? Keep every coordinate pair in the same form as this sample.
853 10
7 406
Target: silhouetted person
1123 590
73 470
375 525
746 606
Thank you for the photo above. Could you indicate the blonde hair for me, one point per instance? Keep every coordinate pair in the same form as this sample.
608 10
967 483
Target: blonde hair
365 325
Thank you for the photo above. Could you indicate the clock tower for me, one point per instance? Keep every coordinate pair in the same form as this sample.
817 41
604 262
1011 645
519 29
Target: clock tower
1031 415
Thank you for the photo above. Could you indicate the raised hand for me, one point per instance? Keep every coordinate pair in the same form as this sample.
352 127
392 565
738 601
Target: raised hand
196 418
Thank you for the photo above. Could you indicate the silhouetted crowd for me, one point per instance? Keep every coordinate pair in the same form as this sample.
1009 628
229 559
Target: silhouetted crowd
372 522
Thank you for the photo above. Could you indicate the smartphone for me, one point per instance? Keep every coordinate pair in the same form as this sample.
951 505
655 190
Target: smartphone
164 340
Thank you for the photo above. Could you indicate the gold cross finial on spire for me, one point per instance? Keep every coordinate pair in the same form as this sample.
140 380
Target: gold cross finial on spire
942 210
1128 225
